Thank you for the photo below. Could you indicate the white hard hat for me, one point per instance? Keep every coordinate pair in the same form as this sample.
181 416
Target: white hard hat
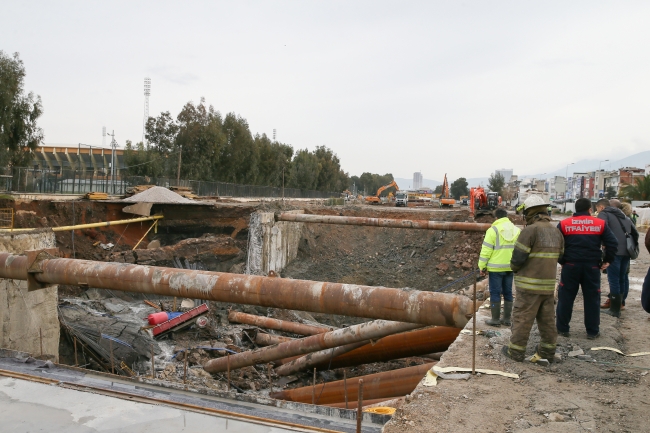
534 200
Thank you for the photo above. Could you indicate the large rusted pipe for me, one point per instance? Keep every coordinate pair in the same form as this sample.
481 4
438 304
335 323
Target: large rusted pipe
316 358
277 324
427 308
413 343
395 383
262 339
340 337
383 222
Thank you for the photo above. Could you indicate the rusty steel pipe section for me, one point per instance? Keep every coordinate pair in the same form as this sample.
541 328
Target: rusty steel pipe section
340 337
394 383
426 308
317 358
277 324
383 222
262 339
414 343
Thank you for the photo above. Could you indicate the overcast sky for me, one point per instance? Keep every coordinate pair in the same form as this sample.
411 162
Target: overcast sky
457 87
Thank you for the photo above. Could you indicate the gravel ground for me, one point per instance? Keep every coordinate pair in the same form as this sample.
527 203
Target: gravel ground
608 393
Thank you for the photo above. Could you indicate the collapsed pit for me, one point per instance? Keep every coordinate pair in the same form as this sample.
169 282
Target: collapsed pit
216 238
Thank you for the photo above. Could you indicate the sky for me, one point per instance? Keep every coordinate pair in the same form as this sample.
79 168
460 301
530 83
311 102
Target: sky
457 87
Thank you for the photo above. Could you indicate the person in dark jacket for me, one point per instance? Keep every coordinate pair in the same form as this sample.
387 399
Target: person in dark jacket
616 220
645 292
581 265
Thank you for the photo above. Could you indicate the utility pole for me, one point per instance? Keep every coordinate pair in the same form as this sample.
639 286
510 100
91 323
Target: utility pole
178 171
113 147
147 93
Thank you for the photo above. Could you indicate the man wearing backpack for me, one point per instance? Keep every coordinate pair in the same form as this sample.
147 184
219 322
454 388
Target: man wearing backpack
623 228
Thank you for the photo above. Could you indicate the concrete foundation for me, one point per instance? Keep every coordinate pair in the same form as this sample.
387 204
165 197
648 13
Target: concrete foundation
272 245
25 316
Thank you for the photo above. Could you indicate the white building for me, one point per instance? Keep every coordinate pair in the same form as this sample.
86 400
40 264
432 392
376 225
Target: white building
505 172
417 180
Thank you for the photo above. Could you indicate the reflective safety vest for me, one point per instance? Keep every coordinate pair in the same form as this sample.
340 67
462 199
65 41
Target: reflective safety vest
498 244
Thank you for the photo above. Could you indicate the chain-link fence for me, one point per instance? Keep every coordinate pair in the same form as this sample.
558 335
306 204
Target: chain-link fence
68 181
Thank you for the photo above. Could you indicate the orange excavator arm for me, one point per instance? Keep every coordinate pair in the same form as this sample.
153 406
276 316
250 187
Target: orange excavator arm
375 198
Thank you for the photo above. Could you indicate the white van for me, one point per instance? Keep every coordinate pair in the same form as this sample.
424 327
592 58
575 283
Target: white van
401 199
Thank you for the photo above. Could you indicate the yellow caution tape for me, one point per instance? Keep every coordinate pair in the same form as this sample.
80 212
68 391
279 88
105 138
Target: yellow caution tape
431 379
611 349
383 410
478 370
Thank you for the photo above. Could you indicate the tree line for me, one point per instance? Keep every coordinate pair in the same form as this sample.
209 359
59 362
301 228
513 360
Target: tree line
201 144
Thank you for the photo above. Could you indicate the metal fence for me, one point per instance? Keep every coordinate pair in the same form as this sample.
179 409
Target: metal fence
68 181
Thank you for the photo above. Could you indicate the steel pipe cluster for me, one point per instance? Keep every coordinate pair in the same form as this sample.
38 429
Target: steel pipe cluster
383 222
426 308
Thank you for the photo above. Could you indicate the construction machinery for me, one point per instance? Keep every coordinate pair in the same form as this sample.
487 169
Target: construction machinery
446 200
374 199
482 202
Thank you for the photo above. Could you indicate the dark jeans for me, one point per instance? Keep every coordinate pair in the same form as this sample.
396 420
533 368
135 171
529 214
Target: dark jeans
500 284
616 275
626 283
587 276
645 293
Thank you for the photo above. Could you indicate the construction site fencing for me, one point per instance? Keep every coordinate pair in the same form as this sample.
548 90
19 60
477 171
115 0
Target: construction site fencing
70 181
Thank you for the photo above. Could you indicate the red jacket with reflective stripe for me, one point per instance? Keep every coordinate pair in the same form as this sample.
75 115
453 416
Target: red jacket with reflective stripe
583 237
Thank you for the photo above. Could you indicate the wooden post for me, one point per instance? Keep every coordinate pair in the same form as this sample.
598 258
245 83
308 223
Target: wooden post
268 372
359 406
187 352
228 355
110 349
474 330
76 361
153 367
174 309
313 389
345 387
40 334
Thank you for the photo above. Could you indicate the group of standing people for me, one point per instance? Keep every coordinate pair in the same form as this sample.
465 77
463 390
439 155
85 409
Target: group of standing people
583 244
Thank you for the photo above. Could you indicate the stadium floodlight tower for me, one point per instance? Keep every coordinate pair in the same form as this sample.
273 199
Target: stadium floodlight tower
147 93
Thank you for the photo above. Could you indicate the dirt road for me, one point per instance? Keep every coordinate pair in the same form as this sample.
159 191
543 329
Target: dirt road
608 393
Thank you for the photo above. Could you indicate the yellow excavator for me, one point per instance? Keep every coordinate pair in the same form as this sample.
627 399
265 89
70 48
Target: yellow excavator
445 198
374 199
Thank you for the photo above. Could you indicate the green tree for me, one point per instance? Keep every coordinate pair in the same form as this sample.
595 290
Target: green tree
19 112
640 190
275 159
438 190
610 192
496 182
200 141
304 170
459 187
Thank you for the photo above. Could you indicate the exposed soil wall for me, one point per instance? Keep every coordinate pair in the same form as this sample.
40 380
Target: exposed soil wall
26 316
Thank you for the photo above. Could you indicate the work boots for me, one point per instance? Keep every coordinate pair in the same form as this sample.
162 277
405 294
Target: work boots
614 306
546 351
515 355
496 313
507 313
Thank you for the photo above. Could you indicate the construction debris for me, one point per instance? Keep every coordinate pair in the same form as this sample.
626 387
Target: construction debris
157 194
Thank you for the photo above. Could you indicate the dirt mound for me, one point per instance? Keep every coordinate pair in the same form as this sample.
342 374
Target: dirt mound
157 194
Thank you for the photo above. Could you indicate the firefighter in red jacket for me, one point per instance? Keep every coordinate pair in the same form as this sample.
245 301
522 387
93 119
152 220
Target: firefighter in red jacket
581 265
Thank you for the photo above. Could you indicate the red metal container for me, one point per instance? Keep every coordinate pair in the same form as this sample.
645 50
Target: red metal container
158 318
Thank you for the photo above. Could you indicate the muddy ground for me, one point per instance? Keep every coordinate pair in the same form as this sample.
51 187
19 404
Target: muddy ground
608 392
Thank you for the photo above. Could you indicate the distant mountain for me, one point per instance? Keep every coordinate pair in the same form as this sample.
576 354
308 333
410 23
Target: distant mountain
404 183
638 160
